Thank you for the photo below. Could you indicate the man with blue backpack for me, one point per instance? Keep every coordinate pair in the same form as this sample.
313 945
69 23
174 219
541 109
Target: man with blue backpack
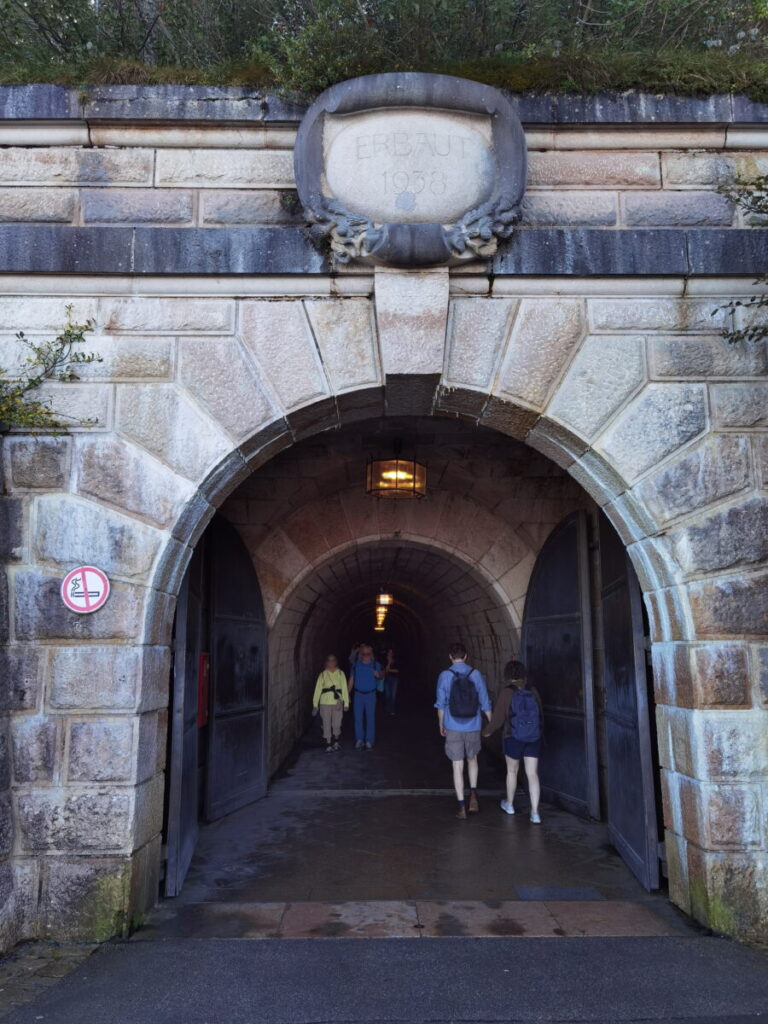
518 709
462 699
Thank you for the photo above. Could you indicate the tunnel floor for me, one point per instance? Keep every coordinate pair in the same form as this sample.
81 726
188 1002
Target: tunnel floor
366 843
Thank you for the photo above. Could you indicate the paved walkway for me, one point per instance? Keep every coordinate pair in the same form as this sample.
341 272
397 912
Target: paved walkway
366 845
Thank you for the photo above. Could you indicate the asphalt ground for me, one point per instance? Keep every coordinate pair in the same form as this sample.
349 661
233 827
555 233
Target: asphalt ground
349 981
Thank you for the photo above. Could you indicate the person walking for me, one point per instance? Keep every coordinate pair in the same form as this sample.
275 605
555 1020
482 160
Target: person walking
363 683
462 700
519 711
391 680
331 700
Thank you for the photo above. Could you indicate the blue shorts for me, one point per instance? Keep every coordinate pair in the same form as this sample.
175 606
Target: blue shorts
517 750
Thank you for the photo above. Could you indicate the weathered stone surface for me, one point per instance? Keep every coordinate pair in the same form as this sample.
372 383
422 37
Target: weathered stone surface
130 358
279 336
78 406
719 817
695 170
740 405
590 209
149 315
721 676
6 826
659 420
761 659
595 168
705 356
149 811
136 206
216 372
120 474
659 314
604 373
162 420
225 168
40 613
101 750
35 313
21 678
735 536
5 754
4 607
74 166
55 819
38 462
256 206
728 892
37 204
712 470
477 331
84 899
730 607
411 313
88 678
11 528
345 333
34 748
150 751
69 531
545 334
676 209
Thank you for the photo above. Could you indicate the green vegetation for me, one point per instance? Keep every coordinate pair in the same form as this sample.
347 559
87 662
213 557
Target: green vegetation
693 47
750 316
50 361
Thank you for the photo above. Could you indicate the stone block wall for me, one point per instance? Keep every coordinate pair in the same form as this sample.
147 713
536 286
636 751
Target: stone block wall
223 345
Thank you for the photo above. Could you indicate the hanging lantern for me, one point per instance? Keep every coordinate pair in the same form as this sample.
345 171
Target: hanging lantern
396 478
384 600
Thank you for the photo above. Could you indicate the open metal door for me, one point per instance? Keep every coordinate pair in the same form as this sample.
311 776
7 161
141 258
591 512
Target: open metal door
557 651
237 768
631 797
182 811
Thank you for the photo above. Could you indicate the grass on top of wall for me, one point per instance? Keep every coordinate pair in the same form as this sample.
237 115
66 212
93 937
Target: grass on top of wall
680 72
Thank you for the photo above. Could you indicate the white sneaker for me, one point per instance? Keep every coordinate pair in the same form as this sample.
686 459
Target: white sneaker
369 746
359 745
507 807
329 748
536 819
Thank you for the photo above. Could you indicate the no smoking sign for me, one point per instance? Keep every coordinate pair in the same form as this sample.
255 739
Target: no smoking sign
85 589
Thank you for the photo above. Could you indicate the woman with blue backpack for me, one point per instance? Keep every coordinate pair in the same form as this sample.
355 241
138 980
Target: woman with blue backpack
518 709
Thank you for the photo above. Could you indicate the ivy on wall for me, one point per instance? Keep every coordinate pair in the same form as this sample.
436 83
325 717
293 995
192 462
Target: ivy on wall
55 360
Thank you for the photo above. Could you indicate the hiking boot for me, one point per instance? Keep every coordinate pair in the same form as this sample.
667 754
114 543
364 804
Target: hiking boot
474 806
536 819
462 812
507 807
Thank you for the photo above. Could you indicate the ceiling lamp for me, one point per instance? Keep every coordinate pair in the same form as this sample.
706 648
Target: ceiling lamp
384 600
396 477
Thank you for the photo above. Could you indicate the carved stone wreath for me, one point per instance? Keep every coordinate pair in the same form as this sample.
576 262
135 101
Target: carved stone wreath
352 235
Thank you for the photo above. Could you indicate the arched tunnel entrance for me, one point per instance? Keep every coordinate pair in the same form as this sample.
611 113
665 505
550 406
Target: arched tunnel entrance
506 554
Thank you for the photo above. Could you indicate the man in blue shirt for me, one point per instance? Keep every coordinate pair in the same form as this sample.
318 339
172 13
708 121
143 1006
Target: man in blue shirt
462 699
364 681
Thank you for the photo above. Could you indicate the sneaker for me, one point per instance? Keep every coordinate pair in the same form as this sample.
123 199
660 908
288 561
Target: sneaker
329 748
359 745
474 806
507 807
462 812
369 746
536 819
336 746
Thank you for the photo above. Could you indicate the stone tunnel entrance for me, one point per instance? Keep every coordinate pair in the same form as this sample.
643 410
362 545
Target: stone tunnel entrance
507 554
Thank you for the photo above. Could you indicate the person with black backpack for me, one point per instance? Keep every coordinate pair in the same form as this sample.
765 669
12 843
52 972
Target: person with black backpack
518 709
462 699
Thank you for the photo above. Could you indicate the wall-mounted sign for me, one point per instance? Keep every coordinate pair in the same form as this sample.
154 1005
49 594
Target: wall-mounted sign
411 170
85 589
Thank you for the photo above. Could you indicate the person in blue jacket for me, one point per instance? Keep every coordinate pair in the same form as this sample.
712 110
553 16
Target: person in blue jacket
462 700
363 685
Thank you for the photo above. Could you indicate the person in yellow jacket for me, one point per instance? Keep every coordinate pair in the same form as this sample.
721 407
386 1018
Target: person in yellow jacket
331 700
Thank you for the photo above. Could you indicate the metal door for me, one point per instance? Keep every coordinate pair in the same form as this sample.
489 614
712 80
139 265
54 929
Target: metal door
182 783
630 775
237 770
557 650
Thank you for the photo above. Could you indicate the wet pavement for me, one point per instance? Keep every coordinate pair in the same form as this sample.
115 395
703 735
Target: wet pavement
361 844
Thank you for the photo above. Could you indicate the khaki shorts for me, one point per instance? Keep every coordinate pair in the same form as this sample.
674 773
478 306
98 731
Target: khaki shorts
460 745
